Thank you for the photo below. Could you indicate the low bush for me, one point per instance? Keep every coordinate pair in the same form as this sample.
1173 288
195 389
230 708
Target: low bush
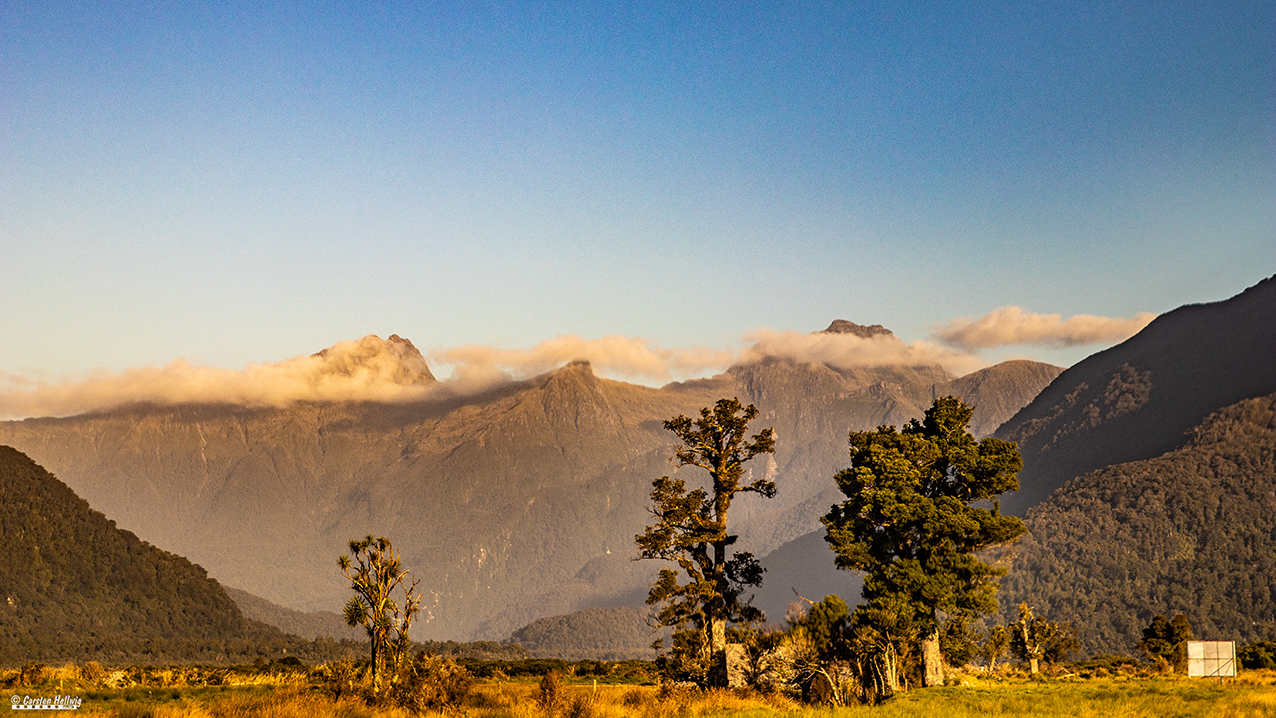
1258 655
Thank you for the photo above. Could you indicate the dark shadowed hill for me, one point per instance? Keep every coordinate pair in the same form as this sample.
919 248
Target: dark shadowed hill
511 505
1136 400
1188 532
72 585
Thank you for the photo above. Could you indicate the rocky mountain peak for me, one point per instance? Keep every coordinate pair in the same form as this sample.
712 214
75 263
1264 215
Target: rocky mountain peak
841 326
395 360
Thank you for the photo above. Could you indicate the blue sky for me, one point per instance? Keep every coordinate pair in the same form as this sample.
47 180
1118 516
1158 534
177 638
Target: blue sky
248 182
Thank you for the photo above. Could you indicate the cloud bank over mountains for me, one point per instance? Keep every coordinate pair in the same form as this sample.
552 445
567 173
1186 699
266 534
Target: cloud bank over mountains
631 358
393 370
1012 325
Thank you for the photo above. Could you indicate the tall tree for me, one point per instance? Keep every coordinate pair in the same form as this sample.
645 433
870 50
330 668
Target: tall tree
908 522
691 528
377 577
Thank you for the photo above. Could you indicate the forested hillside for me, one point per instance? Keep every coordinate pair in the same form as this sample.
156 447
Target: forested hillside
610 634
309 625
1188 532
73 586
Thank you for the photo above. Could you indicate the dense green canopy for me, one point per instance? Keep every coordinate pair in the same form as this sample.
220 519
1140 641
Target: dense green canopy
908 521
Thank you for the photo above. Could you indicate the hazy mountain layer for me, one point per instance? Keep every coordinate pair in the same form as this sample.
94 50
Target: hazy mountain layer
1188 532
299 623
1137 399
513 505
609 634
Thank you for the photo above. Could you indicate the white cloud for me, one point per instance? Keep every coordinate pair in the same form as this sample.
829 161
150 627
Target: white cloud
373 369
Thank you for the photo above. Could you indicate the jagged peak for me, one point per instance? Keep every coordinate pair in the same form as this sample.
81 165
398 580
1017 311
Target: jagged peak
576 371
842 326
395 359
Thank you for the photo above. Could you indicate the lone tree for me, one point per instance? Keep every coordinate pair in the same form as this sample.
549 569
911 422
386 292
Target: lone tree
375 575
908 524
691 528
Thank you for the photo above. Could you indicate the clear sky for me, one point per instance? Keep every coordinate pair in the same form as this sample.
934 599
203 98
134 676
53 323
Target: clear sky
249 181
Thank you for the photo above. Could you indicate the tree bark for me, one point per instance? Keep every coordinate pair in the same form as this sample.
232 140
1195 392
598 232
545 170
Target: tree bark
718 653
934 662
889 672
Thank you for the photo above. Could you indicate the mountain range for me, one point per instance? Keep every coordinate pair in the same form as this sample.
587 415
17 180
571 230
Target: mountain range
1148 487
510 505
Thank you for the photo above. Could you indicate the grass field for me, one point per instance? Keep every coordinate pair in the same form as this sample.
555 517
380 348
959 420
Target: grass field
1252 694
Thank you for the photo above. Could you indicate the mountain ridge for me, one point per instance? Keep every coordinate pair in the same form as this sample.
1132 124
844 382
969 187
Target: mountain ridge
1137 399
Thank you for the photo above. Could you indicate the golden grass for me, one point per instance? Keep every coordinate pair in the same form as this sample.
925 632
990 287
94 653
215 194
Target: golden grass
1253 694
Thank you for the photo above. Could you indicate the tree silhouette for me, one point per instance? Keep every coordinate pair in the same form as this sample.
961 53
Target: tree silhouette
691 529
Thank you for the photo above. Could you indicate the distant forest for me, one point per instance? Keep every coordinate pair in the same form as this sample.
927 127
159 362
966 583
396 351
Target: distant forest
610 634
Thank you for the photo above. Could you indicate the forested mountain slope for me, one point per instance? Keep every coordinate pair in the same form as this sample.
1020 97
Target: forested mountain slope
1192 532
72 585
1136 400
510 505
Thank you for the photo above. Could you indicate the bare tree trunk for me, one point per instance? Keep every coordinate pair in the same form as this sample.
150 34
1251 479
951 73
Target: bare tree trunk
718 623
890 671
717 653
1034 664
934 662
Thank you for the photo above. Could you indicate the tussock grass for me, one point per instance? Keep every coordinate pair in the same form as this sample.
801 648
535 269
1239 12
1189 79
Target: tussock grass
1252 695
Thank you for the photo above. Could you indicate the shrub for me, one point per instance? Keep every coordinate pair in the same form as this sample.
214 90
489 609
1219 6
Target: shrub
1261 654
581 707
551 692
93 672
428 682
33 674
341 679
633 699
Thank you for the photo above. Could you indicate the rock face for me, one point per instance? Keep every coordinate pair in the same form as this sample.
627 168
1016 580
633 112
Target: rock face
511 505
841 326
395 358
1187 532
1137 399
